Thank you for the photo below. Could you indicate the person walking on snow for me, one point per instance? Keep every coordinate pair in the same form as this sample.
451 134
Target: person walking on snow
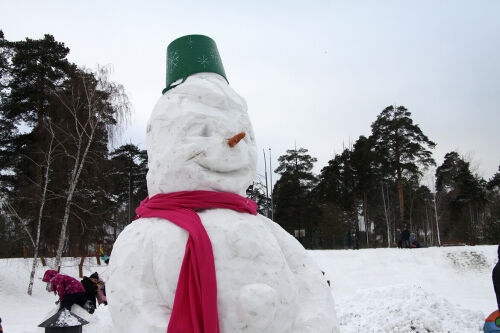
399 239
355 242
69 290
405 236
496 279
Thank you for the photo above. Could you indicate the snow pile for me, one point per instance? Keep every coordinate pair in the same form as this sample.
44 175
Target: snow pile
446 289
468 260
405 308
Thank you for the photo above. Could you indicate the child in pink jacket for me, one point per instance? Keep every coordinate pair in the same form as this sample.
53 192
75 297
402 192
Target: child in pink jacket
69 289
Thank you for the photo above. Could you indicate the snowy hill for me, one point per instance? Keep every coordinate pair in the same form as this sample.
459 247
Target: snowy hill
445 289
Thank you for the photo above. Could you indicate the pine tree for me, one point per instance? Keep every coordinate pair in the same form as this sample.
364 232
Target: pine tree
464 199
292 193
401 148
492 229
257 192
363 165
129 169
6 127
34 67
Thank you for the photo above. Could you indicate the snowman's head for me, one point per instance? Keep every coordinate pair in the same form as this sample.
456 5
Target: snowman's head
187 138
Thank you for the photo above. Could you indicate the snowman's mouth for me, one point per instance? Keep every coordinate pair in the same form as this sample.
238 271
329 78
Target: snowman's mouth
235 172
195 155
197 158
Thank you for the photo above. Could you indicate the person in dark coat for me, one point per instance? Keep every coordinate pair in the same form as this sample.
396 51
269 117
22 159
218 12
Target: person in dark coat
90 294
496 279
405 237
94 289
355 242
101 289
399 239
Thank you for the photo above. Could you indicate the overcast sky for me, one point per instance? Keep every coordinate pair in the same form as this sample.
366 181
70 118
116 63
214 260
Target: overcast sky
315 73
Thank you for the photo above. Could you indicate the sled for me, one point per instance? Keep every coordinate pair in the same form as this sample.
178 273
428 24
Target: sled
492 323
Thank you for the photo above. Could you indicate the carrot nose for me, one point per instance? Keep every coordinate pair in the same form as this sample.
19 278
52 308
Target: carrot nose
235 139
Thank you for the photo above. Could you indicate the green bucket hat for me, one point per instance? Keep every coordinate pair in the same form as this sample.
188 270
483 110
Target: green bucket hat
189 55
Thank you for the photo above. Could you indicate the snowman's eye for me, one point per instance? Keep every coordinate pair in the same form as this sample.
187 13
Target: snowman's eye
198 129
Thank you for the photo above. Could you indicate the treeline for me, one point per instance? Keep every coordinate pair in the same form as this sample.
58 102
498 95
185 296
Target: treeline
60 186
373 188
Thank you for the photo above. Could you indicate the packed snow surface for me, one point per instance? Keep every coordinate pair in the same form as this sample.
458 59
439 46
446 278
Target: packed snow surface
437 290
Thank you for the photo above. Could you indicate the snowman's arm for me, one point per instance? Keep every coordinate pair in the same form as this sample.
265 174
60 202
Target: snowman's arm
314 292
296 256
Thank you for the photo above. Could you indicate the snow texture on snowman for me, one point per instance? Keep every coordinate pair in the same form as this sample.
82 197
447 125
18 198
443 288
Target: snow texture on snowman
266 281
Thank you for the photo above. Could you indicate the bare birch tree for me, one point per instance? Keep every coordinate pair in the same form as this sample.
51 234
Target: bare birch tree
49 157
92 103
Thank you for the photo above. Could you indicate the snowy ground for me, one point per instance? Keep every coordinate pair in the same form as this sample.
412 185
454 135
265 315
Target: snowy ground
446 289
377 290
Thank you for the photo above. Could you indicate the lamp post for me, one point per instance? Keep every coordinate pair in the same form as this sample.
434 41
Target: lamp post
267 192
271 175
64 321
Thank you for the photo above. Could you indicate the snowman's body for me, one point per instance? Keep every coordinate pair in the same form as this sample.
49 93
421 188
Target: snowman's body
266 281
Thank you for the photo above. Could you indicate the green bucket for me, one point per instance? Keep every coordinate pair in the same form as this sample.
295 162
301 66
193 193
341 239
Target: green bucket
189 55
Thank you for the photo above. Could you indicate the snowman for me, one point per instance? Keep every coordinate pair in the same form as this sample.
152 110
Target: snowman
257 277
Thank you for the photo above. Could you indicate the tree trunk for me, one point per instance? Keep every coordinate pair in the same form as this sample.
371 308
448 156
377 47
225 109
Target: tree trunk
428 233
401 197
386 217
40 215
365 215
412 199
437 220
356 212
130 198
75 175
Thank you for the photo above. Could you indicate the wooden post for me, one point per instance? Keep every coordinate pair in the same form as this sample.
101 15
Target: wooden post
25 251
80 267
43 261
98 258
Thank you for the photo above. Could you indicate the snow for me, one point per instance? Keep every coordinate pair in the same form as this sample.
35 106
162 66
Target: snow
376 290
446 289
66 319
21 313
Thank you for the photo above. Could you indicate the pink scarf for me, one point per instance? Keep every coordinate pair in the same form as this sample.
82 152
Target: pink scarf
195 302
